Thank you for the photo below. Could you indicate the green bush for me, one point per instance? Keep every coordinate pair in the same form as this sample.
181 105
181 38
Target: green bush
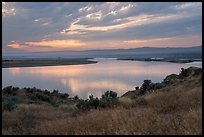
64 96
76 98
8 104
145 86
47 92
198 71
83 104
154 86
29 90
9 90
185 72
42 97
107 99
55 91
15 88
113 94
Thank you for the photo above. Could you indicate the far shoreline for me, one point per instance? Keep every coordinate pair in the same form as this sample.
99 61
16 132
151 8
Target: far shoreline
162 60
12 63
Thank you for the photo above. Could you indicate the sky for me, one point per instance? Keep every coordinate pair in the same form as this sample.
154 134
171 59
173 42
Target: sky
61 26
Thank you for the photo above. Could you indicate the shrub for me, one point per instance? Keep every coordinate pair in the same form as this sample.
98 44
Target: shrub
197 71
9 90
34 89
93 102
15 88
145 86
110 93
42 97
113 94
136 88
103 103
57 94
108 99
8 104
64 96
76 98
47 92
29 90
154 86
55 91
185 72
83 104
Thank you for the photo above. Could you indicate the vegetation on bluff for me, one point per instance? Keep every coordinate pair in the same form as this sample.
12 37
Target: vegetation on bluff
108 99
13 96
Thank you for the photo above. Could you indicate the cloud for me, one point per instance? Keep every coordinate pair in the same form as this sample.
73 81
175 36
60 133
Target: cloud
16 46
76 28
8 9
182 41
95 16
190 5
124 8
148 40
58 44
43 21
113 12
87 8
95 22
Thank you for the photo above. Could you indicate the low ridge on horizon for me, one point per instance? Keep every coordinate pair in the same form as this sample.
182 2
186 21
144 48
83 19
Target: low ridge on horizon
148 47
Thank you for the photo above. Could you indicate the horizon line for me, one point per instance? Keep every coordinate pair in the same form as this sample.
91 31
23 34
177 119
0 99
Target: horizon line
95 49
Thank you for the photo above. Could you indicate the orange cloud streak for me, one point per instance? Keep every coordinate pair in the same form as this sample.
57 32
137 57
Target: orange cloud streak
149 40
185 40
16 46
58 43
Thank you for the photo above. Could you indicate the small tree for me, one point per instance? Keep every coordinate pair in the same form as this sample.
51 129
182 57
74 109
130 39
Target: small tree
136 88
113 94
55 91
65 95
8 90
76 98
145 86
185 72
107 94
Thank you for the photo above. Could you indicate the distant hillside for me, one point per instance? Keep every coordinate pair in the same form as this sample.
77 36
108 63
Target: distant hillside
144 52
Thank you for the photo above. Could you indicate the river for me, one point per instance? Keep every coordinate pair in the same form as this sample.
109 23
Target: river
83 80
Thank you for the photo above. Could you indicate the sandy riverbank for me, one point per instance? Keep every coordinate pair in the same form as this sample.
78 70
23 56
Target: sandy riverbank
44 62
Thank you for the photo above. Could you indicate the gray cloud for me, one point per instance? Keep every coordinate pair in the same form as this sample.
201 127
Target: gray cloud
97 21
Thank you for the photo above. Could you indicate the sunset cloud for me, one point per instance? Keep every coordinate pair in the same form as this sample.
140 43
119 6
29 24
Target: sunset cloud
45 26
16 46
58 43
168 41
148 40
76 28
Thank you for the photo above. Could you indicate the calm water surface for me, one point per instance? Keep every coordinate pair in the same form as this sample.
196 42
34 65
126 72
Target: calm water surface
83 80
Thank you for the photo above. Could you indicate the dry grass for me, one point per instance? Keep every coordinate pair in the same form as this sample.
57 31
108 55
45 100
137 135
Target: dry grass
173 111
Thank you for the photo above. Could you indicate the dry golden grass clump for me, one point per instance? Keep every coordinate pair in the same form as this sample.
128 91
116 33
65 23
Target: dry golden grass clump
172 110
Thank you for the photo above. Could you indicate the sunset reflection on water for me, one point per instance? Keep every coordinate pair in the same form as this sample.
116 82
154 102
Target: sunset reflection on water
83 80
